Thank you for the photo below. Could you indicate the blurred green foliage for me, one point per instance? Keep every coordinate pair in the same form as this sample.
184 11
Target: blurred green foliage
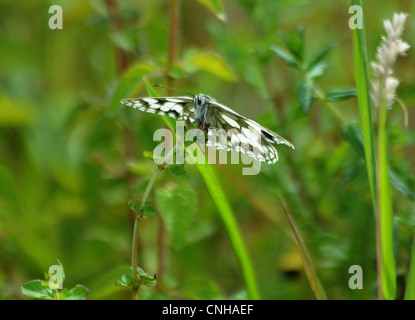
71 156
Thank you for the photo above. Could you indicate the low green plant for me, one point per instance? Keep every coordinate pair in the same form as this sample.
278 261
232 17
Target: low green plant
52 287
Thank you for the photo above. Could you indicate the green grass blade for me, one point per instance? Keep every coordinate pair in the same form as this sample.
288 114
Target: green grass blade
410 284
313 279
229 221
388 267
363 97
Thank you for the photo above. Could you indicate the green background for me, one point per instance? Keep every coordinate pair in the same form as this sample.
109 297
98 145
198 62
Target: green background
71 156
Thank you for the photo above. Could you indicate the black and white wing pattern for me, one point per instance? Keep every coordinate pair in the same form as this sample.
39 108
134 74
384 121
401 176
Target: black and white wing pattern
180 108
242 134
226 129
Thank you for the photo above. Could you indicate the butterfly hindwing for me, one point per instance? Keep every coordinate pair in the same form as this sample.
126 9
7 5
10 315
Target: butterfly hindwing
243 135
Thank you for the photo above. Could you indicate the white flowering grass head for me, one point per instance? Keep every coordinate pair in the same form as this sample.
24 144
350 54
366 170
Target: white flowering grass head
384 86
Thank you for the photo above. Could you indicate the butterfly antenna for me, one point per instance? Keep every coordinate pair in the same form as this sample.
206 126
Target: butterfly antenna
161 86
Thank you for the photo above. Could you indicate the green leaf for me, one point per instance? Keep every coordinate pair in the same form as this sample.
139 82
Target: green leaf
126 39
361 63
177 205
288 58
140 271
210 62
320 56
148 155
337 95
177 169
37 289
305 95
130 80
317 71
145 278
216 7
148 280
147 211
400 185
79 292
385 210
353 134
295 43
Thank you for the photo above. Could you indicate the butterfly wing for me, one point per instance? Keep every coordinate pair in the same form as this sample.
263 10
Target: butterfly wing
243 135
180 108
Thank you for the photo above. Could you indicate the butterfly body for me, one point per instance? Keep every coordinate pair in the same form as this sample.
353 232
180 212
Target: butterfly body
236 132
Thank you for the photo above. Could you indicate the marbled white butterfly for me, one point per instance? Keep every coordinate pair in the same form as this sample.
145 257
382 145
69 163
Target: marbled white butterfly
236 132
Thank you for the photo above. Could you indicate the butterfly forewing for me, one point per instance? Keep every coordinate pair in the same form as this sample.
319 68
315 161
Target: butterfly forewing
175 107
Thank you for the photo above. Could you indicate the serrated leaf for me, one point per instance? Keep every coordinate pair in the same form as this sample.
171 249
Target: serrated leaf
353 134
79 292
337 95
288 58
129 81
177 206
320 56
177 169
216 7
305 95
37 289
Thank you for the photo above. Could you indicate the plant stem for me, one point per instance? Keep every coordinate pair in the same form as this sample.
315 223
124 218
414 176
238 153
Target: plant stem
173 36
138 219
385 210
115 20
321 96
